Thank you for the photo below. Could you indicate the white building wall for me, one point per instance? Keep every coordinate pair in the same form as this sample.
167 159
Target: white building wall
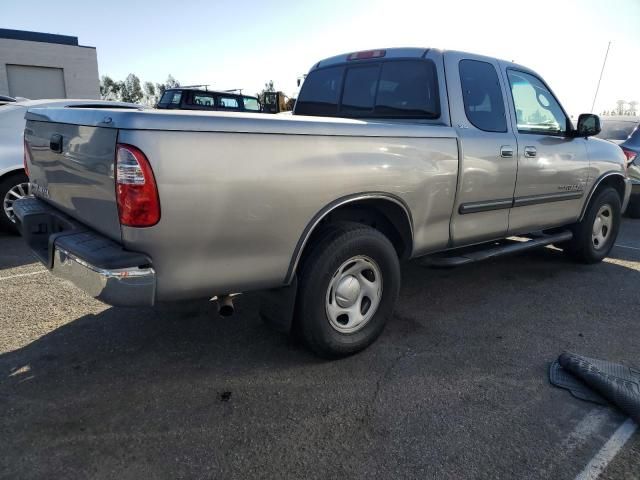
79 64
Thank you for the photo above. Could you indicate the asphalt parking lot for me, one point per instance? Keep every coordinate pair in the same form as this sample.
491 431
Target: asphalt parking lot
455 388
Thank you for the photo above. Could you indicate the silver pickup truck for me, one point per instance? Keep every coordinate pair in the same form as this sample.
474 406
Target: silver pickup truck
389 155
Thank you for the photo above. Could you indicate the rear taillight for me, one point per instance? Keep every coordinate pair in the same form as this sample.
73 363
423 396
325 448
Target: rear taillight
136 190
26 158
630 154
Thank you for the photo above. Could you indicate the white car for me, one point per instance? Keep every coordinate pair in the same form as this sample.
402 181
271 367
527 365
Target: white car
14 183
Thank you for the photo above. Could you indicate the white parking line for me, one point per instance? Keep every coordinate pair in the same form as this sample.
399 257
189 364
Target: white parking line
626 246
609 450
9 277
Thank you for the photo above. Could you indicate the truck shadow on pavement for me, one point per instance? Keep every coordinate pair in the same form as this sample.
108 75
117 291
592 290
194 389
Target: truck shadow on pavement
130 382
13 253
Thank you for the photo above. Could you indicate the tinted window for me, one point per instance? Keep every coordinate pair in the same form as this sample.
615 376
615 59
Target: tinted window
394 89
616 129
408 89
251 103
360 85
482 95
537 111
202 99
227 102
319 94
170 96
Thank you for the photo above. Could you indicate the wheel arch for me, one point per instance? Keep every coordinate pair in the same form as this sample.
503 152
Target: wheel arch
609 179
12 171
383 211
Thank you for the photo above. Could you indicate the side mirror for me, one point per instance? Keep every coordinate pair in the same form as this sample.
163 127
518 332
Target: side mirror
588 125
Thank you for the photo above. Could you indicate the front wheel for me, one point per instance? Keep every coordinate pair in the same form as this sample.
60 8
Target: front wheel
595 235
348 287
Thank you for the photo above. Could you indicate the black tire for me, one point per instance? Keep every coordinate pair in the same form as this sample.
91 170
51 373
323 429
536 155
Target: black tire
581 248
633 209
6 184
336 245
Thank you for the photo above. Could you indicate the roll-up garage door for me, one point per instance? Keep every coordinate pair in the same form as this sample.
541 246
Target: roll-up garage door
36 82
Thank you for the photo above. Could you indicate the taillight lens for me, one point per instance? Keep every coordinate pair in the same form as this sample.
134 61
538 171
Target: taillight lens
26 157
630 154
136 190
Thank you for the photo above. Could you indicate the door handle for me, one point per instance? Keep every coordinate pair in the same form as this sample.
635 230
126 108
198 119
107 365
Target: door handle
55 143
530 152
506 151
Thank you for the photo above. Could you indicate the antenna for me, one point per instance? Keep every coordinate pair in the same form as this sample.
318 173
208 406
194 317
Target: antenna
600 79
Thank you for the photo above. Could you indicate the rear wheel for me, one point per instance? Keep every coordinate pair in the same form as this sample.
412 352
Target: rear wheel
595 235
12 188
348 286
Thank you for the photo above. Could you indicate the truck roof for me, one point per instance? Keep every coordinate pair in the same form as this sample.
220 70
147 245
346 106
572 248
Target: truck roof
216 92
400 52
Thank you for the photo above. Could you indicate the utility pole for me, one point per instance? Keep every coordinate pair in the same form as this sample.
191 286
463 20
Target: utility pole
600 79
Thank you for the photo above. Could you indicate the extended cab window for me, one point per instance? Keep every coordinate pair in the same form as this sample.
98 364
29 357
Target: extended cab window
482 95
537 111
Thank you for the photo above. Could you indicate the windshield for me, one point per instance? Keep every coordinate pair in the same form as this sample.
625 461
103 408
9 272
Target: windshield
170 96
617 129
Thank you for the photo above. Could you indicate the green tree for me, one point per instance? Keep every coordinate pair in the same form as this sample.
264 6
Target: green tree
150 94
109 89
169 83
130 89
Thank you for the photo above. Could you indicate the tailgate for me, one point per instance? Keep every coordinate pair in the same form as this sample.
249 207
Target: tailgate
72 168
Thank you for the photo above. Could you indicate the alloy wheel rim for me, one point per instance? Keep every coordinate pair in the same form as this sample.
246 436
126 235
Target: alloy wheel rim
354 294
602 226
17 192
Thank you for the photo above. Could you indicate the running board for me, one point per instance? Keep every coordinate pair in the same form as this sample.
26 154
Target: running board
463 256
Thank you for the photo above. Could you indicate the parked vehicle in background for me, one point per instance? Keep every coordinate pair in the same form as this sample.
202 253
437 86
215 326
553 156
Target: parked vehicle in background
388 155
14 183
277 102
185 98
625 131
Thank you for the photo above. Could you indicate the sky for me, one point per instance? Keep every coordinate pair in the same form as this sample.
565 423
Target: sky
244 43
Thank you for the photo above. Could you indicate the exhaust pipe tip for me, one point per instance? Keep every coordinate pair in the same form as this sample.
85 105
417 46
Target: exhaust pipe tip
225 306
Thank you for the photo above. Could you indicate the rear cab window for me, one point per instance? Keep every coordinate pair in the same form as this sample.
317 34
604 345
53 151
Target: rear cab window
377 89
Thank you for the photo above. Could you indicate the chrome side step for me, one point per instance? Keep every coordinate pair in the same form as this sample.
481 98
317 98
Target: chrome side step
476 253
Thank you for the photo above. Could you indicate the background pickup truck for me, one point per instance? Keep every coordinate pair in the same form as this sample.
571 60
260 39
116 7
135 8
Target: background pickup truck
390 154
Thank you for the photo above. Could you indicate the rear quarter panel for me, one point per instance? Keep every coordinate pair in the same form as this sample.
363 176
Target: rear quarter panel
234 205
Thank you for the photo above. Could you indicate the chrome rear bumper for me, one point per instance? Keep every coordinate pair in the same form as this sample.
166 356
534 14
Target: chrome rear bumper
91 261
131 286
